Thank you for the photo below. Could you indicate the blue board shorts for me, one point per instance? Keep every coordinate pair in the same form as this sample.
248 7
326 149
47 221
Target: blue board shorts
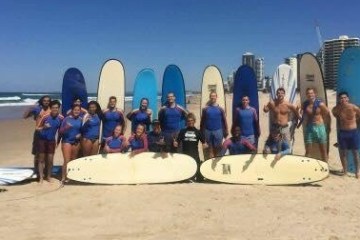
349 139
315 133
214 138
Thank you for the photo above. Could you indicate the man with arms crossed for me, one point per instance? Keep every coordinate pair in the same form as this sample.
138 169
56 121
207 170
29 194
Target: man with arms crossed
347 113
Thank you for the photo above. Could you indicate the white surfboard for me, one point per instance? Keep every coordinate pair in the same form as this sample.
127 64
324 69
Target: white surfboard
212 81
143 168
285 78
260 169
14 175
311 76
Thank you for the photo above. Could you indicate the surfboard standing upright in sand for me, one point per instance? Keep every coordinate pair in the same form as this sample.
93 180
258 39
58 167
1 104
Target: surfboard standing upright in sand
245 85
73 87
212 82
348 81
111 83
311 76
173 81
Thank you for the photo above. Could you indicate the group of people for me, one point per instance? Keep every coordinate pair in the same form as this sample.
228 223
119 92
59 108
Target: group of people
79 131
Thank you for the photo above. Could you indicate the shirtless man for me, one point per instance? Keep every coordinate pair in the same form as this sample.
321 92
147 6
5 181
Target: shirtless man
281 110
347 113
315 113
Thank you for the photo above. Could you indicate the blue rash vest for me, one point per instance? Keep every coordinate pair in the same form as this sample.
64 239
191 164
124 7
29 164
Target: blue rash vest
138 117
48 133
115 143
111 120
170 118
90 129
69 134
213 117
246 119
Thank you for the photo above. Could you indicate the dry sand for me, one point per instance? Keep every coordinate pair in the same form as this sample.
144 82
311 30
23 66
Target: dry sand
325 210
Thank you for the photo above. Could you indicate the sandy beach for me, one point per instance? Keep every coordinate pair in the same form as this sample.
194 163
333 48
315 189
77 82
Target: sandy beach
324 210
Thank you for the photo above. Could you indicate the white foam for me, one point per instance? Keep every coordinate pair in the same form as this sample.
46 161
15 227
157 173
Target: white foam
14 98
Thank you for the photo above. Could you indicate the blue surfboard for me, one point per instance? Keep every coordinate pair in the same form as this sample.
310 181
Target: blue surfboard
173 81
73 87
348 81
146 87
245 85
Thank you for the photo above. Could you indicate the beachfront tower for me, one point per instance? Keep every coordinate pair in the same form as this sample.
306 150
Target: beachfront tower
259 71
332 52
248 59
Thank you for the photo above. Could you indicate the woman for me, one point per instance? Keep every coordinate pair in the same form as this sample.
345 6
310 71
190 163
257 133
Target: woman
71 132
141 115
138 141
77 101
117 142
90 129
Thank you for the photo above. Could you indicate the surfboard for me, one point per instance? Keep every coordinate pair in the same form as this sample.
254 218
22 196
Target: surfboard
14 175
348 76
146 87
73 87
143 168
311 76
245 85
212 81
173 81
262 169
285 78
111 83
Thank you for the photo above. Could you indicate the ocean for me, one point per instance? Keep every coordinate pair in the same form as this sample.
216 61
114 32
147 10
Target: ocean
14 104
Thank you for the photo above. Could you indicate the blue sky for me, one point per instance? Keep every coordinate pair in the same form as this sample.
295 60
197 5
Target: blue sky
39 40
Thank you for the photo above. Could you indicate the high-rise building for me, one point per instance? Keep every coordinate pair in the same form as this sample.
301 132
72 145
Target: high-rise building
259 72
292 61
332 52
248 59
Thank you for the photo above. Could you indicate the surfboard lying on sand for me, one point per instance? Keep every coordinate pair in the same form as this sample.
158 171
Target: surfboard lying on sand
212 81
348 81
146 87
143 168
311 76
262 169
12 175
73 87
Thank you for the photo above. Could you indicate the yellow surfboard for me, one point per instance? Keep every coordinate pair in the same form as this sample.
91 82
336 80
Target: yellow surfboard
143 168
263 169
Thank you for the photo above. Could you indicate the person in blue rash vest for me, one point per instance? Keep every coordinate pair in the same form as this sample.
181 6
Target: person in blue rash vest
77 101
47 128
112 117
236 144
138 141
70 131
277 144
169 117
90 129
37 112
213 126
117 142
141 115
156 139
247 119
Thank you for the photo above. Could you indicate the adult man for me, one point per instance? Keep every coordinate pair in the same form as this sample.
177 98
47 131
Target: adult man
247 119
37 112
169 117
281 109
47 128
348 137
213 126
156 138
315 114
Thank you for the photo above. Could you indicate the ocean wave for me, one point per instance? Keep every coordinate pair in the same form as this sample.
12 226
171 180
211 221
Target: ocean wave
39 94
14 98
